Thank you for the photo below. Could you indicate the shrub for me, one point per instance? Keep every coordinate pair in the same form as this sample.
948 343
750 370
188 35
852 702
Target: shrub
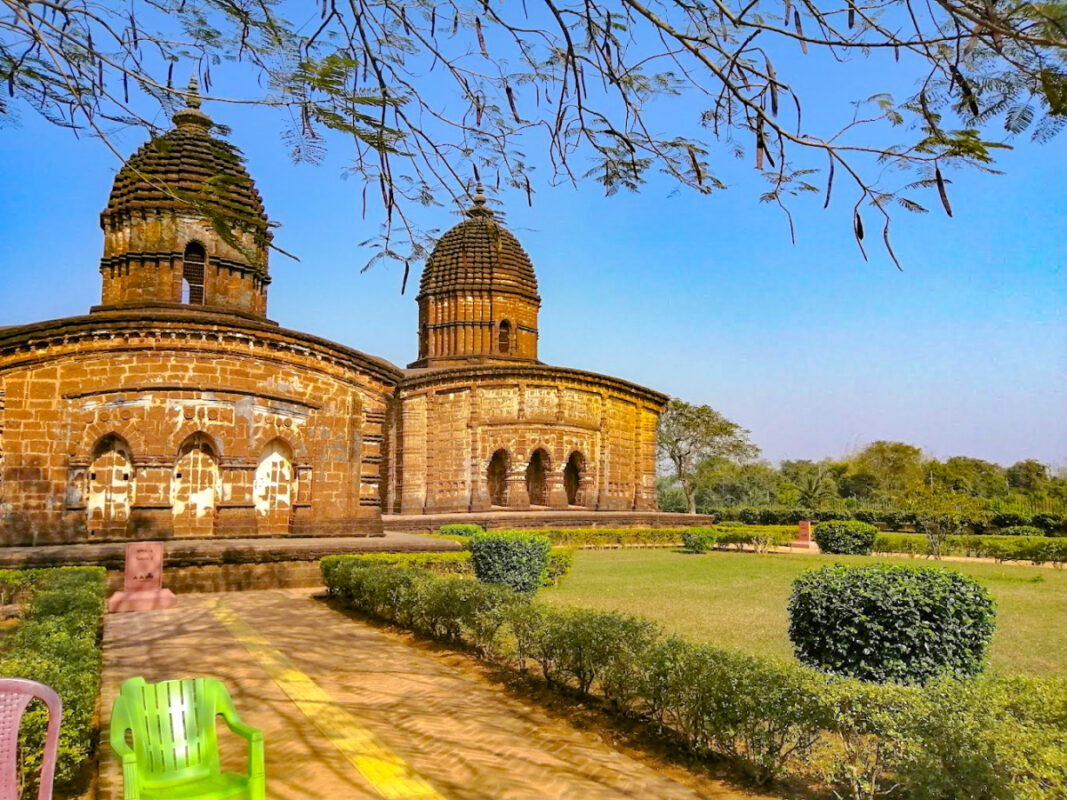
845 538
442 563
760 711
990 738
864 515
894 520
1021 530
560 561
1007 520
831 516
587 646
610 537
890 623
1051 524
905 543
519 560
749 516
460 529
12 583
57 643
700 540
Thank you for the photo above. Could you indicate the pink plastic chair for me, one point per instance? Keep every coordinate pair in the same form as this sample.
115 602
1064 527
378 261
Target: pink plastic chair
15 695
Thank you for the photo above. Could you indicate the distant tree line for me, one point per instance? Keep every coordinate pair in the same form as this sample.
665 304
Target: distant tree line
708 462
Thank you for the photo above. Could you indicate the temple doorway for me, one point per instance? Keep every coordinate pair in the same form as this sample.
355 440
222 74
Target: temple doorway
536 484
498 478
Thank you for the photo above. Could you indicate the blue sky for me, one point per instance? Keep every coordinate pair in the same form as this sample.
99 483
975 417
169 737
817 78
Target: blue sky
813 350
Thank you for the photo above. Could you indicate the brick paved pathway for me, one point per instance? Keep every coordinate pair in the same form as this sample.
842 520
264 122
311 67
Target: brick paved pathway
351 712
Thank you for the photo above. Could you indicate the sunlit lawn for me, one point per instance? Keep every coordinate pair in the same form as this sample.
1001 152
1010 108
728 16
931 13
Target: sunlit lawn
738 600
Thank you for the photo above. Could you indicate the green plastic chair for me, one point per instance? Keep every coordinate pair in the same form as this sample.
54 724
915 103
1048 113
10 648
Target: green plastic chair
175 750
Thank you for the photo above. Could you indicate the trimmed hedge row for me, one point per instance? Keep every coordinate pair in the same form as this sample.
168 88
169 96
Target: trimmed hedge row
760 538
727 534
986 738
57 643
1048 524
610 537
460 529
1038 550
560 561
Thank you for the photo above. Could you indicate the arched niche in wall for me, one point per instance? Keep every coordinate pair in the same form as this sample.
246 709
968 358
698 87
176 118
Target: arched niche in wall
497 477
110 485
274 488
536 478
194 488
504 337
572 476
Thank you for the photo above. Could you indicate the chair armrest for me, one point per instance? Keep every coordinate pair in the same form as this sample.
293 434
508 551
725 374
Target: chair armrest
246 732
254 737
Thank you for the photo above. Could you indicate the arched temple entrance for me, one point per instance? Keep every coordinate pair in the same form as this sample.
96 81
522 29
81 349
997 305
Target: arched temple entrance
194 487
497 476
111 483
572 476
274 488
536 484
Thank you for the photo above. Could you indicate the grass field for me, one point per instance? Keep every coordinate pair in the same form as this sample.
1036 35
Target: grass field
738 600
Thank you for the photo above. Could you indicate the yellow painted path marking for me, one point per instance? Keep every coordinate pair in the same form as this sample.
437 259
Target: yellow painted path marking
387 772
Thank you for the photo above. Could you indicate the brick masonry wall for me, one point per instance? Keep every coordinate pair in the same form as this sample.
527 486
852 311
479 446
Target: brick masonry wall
143 261
120 426
449 423
455 327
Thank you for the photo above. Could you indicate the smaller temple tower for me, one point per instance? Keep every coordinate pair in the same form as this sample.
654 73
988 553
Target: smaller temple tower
185 225
478 298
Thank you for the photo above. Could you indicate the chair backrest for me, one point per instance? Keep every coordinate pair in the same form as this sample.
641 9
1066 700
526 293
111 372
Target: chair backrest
172 724
15 695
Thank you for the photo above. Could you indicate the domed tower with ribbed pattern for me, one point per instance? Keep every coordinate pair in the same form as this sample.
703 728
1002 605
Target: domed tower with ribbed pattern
185 225
478 298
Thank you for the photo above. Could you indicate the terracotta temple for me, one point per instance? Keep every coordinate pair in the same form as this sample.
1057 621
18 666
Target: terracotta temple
176 408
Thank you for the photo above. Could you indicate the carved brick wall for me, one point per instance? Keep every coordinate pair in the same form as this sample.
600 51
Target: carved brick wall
85 397
450 423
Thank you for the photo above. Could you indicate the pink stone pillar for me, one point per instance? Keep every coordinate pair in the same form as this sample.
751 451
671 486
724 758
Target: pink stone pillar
142 582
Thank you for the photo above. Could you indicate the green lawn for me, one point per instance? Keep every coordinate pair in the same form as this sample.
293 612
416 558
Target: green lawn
738 600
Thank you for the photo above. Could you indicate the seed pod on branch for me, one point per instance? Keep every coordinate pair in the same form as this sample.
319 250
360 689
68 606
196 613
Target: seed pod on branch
696 167
481 38
942 191
800 31
829 181
511 102
773 83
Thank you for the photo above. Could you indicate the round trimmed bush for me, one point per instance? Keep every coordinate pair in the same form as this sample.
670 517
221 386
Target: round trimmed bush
890 623
845 538
513 558
1021 530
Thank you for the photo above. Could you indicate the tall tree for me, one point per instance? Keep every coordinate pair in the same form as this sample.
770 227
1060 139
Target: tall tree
689 435
1028 476
895 465
609 91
